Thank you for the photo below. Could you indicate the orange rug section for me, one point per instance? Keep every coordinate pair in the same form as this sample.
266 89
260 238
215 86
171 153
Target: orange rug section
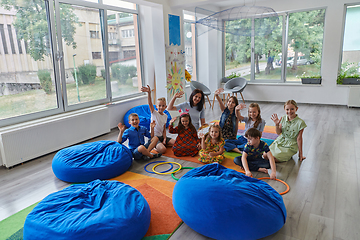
228 162
158 193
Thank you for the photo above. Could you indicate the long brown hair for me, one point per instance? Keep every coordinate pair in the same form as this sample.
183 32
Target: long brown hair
207 135
181 127
258 118
234 99
199 106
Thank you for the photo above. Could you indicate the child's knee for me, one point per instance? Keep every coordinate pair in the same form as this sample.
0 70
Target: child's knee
141 148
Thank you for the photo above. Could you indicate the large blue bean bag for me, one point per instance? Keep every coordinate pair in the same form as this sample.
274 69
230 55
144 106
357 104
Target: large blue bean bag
93 211
90 161
222 203
144 116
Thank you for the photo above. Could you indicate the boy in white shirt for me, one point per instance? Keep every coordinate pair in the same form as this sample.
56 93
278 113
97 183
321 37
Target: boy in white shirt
160 119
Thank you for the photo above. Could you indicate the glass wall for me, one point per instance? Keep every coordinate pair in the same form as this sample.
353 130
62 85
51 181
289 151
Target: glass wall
299 46
350 62
190 46
305 38
49 67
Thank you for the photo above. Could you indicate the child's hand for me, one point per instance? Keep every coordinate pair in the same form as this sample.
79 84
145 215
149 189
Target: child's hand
201 135
172 120
199 146
301 158
179 94
248 173
121 127
275 119
152 124
146 89
219 91
273 175
212 154
164 141
240 106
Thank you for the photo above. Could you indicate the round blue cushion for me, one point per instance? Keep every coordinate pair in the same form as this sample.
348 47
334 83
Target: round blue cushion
97 210
144 116
222 203
90 161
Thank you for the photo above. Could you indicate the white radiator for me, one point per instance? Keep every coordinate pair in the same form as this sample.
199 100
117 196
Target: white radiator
354 97
24 142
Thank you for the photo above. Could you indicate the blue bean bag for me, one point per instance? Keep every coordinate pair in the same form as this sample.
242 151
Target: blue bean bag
222 203
144 116
90 161
93 211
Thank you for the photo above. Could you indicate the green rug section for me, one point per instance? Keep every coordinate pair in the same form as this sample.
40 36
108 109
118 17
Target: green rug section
231 154
157 237
13 224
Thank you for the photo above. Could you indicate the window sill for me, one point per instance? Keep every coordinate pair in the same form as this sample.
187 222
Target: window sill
297 84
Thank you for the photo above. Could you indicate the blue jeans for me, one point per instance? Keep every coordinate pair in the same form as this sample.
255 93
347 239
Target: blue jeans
239 143
254 164
136 154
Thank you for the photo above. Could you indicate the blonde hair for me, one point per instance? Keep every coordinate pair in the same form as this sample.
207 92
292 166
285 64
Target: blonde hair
133 115
258 118
292 102
162 99
207 135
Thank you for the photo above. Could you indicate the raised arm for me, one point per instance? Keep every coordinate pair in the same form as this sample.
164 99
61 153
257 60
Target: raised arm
148 90
239 107
171 103
202 137
300 144
221 104
122 130
152 126
277 121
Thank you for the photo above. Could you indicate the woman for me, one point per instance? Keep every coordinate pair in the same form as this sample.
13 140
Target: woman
194 107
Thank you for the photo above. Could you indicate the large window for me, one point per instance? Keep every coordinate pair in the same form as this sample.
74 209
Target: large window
189 43
299 46
49 67
350 64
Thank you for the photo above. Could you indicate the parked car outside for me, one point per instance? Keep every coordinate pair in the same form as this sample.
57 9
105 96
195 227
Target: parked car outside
301 60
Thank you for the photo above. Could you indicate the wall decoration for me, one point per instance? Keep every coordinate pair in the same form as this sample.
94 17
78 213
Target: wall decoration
174 30
175 70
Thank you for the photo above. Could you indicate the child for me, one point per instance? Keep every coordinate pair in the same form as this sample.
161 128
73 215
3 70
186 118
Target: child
194 106
253 120
230 115
136 135
251 159
186 143
160 119
290 128
212 146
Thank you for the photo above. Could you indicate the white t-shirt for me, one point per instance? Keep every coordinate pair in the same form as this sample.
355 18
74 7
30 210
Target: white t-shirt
160 121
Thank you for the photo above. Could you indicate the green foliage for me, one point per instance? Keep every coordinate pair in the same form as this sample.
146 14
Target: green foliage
103 74
32 27
45 80
87 73
347 70
122 72
233 75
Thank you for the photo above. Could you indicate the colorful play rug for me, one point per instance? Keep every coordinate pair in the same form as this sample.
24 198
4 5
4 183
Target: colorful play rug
157 192
268 135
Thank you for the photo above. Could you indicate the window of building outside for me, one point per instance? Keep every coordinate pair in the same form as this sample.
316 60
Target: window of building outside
30 86
303 50
350 61
190 46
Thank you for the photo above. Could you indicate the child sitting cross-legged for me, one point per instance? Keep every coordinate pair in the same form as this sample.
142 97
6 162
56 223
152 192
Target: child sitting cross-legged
136 135
212 146
187 141
251 159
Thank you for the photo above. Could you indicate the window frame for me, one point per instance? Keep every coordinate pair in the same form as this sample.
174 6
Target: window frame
52 6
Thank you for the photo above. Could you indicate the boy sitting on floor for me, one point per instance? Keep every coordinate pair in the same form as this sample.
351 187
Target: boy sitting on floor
160 119
136 135
251 159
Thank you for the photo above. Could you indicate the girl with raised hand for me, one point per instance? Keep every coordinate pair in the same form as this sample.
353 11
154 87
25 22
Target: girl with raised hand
253 120
194 107
187 141
212 146
290 129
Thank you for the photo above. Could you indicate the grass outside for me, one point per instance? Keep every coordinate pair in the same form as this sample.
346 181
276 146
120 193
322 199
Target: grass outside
37 100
